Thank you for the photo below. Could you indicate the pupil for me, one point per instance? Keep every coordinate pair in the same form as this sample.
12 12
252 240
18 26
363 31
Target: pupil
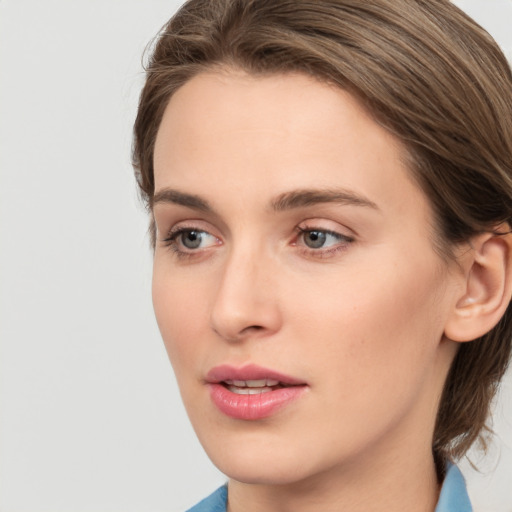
315 239
192 240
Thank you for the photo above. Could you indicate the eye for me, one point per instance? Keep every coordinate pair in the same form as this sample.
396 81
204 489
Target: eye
193 239
316 239
185 241
322 239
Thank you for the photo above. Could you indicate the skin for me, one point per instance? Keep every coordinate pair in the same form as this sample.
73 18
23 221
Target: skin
360 319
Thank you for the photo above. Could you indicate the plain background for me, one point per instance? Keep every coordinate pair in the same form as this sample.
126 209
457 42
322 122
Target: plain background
91 418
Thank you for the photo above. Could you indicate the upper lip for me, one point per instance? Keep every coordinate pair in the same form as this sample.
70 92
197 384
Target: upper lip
247 372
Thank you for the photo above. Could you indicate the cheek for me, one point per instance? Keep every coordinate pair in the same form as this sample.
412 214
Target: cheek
380 322
370 348
180 316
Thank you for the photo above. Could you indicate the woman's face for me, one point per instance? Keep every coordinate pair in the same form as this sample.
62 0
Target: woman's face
295 282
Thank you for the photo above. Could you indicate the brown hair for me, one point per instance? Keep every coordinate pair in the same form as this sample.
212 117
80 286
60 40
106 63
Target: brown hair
427 73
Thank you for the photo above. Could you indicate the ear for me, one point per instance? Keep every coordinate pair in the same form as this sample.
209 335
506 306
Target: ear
486 288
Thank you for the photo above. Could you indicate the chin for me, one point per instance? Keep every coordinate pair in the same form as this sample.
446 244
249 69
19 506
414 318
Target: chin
247 464
262 460
271 472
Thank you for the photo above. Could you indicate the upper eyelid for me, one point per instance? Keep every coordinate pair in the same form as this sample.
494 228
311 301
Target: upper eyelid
319 225
322 230
340 237
184 229
312 224
188 225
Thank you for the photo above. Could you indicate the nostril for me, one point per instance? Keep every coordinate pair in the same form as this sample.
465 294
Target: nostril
252 328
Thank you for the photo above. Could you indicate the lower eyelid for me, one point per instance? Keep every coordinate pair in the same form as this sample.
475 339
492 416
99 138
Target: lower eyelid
328 252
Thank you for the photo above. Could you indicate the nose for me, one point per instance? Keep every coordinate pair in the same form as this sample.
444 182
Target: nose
246 304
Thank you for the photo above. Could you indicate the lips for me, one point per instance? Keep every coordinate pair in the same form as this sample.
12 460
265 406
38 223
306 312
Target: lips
251 392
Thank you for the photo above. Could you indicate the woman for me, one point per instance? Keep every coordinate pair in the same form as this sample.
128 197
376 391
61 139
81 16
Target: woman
330 190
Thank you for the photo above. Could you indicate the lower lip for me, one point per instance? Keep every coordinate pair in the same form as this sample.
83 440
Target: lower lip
253 407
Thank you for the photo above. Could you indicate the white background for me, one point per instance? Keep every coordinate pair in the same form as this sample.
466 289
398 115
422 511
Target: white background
90 417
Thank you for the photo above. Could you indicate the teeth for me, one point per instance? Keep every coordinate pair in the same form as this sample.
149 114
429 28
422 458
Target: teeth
249 391
252 383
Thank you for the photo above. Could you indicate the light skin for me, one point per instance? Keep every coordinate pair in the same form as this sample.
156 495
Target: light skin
291 235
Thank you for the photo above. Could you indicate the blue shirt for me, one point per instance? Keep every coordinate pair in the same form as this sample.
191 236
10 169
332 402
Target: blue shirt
453 498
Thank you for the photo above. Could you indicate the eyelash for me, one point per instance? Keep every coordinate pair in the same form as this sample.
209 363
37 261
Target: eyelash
171 242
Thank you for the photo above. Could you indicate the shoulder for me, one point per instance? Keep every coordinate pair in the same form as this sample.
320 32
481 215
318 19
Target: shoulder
216 502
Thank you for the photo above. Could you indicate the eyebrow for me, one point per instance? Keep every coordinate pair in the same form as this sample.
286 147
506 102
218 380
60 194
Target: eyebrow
286 201
307 197
168 195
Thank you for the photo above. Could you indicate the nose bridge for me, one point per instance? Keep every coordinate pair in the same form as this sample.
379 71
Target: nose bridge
246 300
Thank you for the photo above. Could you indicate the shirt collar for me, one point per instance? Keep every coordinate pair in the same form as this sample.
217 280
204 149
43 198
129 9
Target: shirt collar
454 496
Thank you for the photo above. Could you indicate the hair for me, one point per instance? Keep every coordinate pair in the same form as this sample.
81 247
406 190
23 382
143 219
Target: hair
427 73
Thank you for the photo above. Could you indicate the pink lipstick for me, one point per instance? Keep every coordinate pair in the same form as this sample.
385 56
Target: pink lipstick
251 392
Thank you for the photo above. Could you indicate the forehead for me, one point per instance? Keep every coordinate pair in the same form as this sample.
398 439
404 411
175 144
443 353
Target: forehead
259 136
226 102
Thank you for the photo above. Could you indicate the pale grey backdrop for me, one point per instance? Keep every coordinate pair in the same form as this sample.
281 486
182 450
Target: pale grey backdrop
90 417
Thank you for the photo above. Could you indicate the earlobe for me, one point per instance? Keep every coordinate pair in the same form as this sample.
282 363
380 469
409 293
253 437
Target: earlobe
487 287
